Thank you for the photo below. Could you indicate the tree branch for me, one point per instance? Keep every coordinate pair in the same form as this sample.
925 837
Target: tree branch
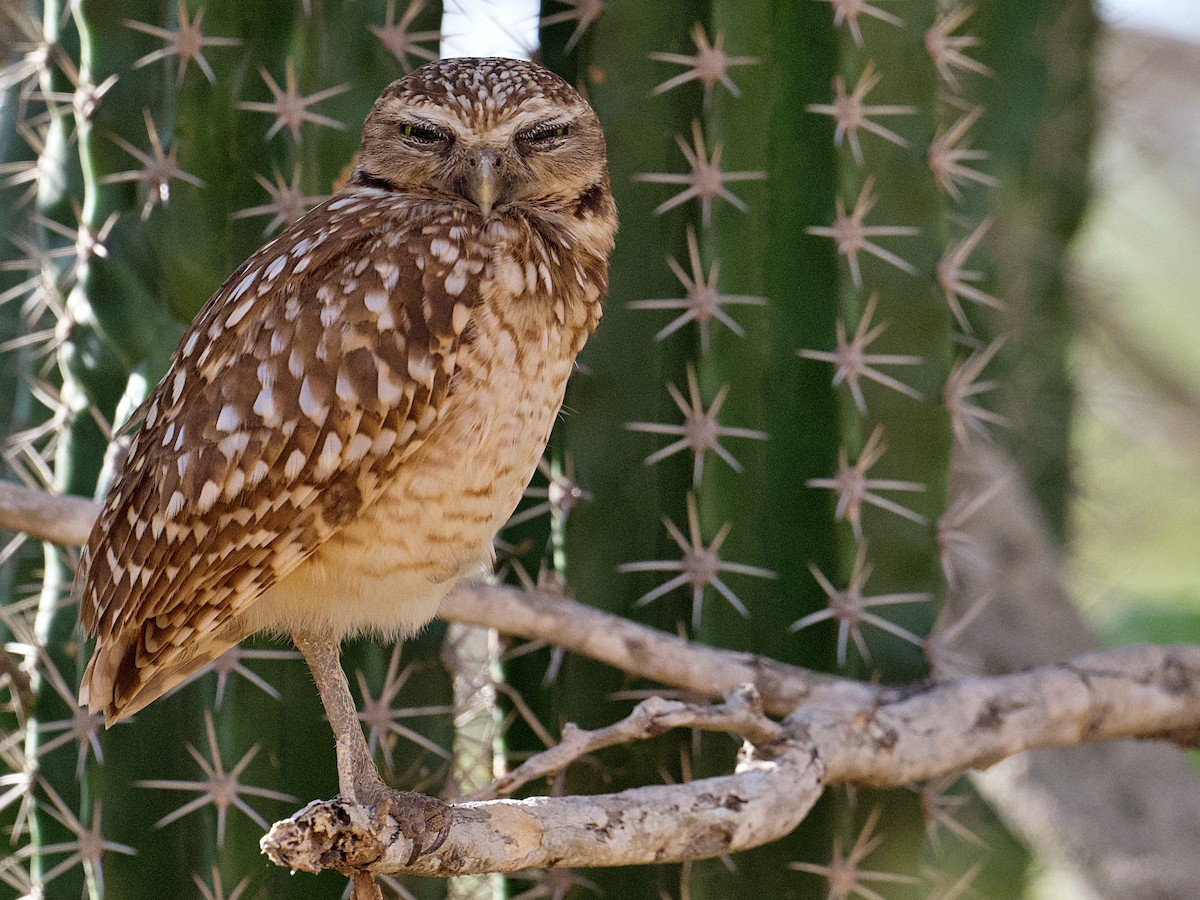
48 517
765 800
904 735
646 652
914 734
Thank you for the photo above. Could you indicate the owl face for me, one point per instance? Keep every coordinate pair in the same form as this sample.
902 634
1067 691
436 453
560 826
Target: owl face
497 134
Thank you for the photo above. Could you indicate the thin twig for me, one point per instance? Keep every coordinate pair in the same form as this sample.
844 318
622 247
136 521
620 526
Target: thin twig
741 714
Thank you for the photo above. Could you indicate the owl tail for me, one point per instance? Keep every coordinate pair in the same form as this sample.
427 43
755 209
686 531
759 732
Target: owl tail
120 680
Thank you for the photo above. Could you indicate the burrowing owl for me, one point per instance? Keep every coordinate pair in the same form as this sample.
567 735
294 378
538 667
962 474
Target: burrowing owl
354 414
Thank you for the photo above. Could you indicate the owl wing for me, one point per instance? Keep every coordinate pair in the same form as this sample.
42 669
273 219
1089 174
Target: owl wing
299 389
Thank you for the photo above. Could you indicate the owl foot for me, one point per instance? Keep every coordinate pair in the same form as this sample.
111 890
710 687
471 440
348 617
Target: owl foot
423 820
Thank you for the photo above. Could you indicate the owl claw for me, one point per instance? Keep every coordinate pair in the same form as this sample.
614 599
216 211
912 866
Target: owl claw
416 817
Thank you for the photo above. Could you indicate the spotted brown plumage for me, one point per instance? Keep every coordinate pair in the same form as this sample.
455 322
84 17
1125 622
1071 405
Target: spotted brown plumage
355 413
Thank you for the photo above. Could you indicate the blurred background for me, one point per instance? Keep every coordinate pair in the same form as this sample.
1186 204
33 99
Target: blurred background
1137 512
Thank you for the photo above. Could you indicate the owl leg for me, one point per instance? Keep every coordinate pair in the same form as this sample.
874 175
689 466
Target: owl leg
358 779
423 820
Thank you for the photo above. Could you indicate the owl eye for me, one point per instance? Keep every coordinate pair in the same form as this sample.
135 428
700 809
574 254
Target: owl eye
420 133
543 135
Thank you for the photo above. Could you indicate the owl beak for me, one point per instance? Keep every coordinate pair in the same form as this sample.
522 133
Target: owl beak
484 183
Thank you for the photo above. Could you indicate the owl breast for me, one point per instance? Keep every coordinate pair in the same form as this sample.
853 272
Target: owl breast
387 571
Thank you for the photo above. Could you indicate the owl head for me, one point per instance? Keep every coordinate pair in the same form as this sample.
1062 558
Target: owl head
491 133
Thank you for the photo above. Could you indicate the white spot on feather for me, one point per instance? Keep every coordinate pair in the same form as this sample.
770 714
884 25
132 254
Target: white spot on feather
296 363
459 317
240 312
294 465
443 250
208 496
420 368
233 445
358 447
276 266
229 419
331 454
391 390
345 389
383 444
114 564
389 273
456 281
244 285
310 406
264 405
257 473
330 314
233 487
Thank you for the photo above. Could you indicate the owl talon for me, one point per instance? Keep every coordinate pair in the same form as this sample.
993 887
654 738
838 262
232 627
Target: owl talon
416 815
